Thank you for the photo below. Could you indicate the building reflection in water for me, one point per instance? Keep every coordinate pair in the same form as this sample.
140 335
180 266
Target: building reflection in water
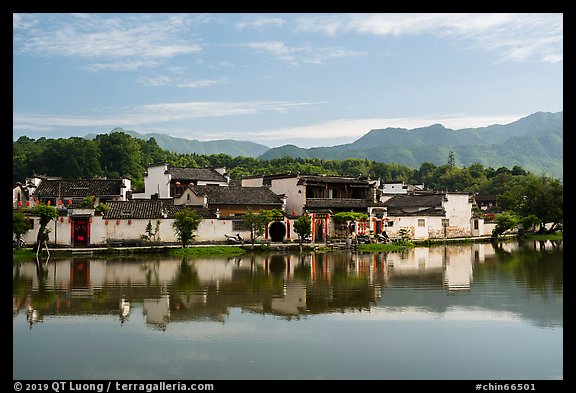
171 290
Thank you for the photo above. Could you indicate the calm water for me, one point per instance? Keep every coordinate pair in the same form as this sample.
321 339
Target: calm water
445 312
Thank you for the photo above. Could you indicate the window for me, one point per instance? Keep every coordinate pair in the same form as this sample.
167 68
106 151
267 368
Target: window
421 222
475 224
239 226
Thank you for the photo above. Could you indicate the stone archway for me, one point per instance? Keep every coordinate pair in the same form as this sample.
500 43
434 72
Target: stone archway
277 231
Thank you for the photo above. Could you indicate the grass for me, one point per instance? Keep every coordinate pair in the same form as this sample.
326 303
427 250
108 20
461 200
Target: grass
382 247
22 254
207 250
553 236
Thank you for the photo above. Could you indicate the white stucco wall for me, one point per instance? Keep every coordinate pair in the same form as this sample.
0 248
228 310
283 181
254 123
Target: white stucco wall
295 201
458 210
253 182
156 181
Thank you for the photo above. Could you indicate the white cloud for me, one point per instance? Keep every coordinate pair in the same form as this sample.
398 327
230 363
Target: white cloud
160 80
300 54
517 36
155 113
121 65
354 128
132 38
200 83
261 22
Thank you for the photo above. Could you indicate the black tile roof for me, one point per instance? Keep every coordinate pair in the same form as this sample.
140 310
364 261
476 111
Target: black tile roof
433 200
338 203
424 212
313 179
150 209
238 195
79 188
203 174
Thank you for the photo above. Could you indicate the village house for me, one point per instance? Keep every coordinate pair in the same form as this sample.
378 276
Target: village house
233 202
388 189
321 196
222 203
165 181
430 215
22 193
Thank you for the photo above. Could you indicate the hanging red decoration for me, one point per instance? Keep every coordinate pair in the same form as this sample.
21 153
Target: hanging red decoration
117 222
106 222
19 203
61 219
49 203
69 202
129 222
27 203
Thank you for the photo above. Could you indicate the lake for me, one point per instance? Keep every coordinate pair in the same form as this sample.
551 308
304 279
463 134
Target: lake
447 312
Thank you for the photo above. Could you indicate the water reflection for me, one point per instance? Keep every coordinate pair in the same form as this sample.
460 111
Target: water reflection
170 290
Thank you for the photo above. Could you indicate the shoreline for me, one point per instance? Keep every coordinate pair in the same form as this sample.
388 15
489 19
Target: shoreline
232 249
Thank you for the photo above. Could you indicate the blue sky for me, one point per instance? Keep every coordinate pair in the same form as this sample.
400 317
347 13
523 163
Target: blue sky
305 79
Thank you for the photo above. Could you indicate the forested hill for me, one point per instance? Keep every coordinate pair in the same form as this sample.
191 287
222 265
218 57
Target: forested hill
534 143
190 146
118 154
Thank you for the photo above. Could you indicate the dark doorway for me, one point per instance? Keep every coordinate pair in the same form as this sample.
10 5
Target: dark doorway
80 232
378 227
319 232
277 231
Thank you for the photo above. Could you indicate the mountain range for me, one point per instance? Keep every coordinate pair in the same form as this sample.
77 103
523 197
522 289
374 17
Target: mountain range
189 146
534 142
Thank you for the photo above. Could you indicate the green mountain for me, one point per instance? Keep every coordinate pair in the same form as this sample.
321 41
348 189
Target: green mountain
534 142
188 146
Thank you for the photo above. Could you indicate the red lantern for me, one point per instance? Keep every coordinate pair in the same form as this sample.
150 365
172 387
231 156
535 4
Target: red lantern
129 222
61 219
49 203
19 203
59 202
106 222
69 202
27 203
117 222
178 184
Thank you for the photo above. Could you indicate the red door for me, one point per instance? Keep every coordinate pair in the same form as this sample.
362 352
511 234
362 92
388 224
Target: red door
80 232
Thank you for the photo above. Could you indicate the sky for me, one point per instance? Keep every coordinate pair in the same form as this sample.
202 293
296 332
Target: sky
308 79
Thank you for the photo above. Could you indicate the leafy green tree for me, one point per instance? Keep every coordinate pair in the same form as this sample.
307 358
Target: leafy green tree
256 223
88 201
20 225
505 221
45 213
303 227
451 160
543 198
120 155
184 225
101 208
347 218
